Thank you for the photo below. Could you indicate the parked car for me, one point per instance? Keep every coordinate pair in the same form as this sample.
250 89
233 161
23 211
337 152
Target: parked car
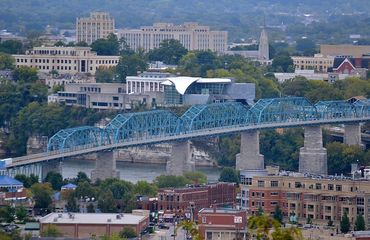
163 226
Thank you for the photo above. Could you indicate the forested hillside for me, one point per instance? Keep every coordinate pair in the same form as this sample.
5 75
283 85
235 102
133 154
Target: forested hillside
242 18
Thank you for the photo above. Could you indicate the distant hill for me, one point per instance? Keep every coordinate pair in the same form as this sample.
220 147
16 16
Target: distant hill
241 18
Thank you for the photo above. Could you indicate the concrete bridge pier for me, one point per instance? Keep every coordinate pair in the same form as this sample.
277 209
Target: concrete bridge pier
249 157
313 156
181 159
51 166
105 166
352 134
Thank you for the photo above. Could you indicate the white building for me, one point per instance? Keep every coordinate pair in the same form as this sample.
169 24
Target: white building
191 35
146 82
65 60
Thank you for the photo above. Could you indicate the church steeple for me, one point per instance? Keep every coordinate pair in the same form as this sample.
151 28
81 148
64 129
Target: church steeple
263 47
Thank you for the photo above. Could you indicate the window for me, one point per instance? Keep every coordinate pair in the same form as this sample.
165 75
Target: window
298 184
330 187
318 186
274 183
338 188
360 201
274 194
115 98
261 183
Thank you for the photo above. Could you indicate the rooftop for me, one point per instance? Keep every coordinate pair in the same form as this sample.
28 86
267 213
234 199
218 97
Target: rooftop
221 210
92 218
6 181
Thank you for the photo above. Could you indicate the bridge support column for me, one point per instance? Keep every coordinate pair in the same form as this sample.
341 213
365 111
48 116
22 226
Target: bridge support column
313 156
249 157
352 134
105 166
51 166
180 160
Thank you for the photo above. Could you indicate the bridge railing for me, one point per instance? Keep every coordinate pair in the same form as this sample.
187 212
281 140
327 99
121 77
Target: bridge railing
161 123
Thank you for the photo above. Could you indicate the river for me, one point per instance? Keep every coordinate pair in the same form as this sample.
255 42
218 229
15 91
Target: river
132 172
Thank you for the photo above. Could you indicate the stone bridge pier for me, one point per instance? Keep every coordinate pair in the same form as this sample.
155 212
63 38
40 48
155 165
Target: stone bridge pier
313 156
105 166
51 166
181 159
352 134
249 157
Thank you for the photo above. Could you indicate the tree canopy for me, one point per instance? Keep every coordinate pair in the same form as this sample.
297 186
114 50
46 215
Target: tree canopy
170 52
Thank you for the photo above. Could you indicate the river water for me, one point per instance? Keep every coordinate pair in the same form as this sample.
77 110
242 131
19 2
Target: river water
132 172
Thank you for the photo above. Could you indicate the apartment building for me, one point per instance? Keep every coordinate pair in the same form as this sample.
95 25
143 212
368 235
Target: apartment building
189 200
98 25
318 62
316 197
65 60
191 35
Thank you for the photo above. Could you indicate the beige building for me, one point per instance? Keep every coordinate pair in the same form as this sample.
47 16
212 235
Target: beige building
355 51
321 199
319 62
191 35
98 25
65 60
94 225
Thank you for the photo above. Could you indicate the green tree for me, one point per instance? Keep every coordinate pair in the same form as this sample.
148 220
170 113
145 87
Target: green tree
71 205
344 223
167 181
130 65
6 61
21 213
229 175
360 223
26 74
196 177
191 228
106 202
145 188
55 179
340 157
7 214
11 47
105 75
90 208
59 44
84 189
263 227
282 63
81 44
127 232
82 177
42 195
170 52
107 47
278 215
306 46
51 231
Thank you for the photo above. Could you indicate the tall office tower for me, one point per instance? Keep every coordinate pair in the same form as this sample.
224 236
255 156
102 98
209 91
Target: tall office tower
263 47
98 25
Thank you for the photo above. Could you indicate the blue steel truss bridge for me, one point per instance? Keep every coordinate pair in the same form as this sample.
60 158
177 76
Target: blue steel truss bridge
199 121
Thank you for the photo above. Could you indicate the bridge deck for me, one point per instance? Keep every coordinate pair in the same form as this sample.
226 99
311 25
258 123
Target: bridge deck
90 148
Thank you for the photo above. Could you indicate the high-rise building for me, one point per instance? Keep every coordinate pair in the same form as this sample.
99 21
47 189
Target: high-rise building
98 25
263 47
191 35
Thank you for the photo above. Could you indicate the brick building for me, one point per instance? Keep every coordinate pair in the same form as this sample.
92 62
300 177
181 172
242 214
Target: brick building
321 199
223 224
181 201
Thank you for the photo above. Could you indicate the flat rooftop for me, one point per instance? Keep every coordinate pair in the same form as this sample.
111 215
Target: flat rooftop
92 218
221 210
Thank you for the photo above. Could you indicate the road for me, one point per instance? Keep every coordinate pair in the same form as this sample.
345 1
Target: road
167 234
